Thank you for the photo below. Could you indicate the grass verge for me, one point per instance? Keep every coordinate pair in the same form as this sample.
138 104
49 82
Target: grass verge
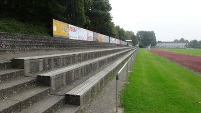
158 85
186 51
15 26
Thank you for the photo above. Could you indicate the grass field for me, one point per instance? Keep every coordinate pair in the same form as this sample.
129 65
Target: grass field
14 26
186 51
159 86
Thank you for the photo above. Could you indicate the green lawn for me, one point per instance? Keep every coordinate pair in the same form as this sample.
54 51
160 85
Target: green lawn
159 86
15 26
186 51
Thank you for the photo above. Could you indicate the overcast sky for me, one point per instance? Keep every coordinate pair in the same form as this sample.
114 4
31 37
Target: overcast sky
169 19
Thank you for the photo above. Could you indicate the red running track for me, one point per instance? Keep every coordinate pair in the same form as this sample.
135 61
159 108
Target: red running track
190 61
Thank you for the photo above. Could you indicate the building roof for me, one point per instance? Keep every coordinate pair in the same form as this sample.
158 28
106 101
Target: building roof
172 42
128 40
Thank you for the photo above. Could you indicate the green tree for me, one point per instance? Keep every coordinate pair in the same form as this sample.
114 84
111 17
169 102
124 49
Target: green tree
176 40
32 11
76 12
182 40
100 17
146 38
193 44
129 35
121 33
134 40
186 41
90 14
198 44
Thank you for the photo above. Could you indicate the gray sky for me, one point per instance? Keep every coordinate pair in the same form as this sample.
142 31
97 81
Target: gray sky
169 19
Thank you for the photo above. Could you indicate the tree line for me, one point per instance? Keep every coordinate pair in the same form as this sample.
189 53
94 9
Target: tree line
146 38
191 44
89 14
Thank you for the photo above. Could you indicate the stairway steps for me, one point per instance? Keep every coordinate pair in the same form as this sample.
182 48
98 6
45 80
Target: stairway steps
85 92
5 65
15 86
48 105
69 109
10 74
33 65
22 100
58 79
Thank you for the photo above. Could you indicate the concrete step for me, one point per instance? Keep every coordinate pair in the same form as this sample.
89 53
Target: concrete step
15 86
69 109
87 90
57 79
43 63
73 84
5 65
47 105
10 74
23 100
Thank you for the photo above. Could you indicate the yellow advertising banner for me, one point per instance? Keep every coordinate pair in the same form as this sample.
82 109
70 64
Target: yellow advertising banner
60 29
100 37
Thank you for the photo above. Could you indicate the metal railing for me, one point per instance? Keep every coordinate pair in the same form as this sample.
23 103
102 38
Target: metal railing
125 70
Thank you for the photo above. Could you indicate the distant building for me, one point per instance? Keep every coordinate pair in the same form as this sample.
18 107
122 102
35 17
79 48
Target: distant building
171 45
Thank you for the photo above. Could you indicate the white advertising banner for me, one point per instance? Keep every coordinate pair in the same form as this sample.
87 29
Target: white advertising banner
90 35
95 36
106 38
124 43
117 41
77 33
82 34
112 40
73 32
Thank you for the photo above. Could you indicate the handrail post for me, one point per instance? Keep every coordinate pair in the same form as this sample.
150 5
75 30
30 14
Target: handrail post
129 61
117 78
127 71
